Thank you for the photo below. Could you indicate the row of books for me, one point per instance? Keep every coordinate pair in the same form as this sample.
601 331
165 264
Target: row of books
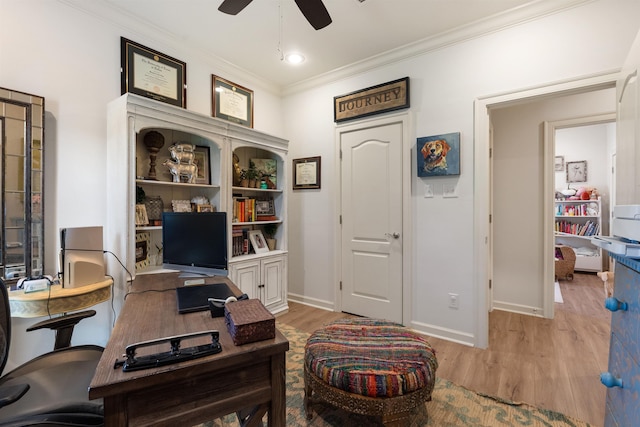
576 210
240 241
589 228
247 209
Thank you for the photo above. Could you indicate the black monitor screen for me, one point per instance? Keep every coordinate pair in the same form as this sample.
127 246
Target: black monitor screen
195 242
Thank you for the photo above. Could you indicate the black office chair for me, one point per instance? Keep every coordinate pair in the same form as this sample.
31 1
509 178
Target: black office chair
50 390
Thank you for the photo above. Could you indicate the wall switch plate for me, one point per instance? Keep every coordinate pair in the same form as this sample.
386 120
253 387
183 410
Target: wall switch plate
449 190
428 190
453 301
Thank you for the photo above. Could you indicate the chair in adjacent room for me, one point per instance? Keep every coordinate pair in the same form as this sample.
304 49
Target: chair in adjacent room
565 262
50 390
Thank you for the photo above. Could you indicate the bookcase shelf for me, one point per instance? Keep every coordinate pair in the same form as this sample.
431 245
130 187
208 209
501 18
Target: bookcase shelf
576 221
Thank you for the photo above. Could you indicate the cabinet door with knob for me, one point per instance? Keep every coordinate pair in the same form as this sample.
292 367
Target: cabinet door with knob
623 376
262 278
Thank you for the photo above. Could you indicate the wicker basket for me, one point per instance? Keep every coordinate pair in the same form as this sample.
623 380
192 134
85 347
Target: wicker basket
565 262
249 321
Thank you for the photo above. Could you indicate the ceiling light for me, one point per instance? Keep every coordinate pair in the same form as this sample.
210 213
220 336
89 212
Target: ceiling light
294 58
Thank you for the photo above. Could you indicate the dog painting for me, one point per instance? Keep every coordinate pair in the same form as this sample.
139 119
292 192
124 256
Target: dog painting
439 155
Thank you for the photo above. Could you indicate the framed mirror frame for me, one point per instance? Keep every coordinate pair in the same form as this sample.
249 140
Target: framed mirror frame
22 185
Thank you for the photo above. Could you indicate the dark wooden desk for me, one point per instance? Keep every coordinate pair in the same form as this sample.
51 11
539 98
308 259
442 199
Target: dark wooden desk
191 392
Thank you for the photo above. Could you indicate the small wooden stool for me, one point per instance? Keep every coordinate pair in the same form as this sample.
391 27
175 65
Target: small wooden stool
369 367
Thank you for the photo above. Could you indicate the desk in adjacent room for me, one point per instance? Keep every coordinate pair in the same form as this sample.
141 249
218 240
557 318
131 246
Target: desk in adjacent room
191 392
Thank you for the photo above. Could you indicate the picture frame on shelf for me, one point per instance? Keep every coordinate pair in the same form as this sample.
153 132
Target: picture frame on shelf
231 101
258 241
265 207
202 159
306 173
577 171
152 74
142 218
143 241
267 170
205 208
181 205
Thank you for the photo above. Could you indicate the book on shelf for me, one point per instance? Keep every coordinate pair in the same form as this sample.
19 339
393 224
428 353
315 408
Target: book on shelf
239 241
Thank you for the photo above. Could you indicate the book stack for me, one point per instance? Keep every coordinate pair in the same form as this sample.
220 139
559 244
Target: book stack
244 209
239 241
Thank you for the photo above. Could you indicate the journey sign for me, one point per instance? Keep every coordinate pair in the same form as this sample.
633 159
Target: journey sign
377 99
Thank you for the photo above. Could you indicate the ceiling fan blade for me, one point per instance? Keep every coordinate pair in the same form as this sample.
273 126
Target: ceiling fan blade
233 7
315 12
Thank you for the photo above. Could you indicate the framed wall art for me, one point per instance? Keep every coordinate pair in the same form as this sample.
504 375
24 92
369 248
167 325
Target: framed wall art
577 171
438 155
559 164
231 102
306 173
202 158
152 74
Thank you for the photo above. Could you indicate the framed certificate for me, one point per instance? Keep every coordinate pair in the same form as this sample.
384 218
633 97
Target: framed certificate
231 102
152 74
306 173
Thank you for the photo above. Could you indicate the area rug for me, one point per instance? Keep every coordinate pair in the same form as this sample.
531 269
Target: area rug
557 293
451 405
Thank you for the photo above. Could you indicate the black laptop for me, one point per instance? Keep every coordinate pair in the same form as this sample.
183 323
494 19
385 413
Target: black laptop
196 298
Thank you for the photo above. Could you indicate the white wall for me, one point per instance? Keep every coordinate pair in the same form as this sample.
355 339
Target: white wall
73 59
444 84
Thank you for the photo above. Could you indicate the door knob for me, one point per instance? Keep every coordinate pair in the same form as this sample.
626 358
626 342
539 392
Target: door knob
395 235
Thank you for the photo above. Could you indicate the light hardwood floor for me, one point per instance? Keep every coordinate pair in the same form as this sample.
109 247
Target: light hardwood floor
553 364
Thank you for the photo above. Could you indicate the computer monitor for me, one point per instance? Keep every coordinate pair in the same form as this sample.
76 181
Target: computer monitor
195 243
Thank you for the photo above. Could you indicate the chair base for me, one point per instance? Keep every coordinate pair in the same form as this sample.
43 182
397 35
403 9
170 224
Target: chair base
394 411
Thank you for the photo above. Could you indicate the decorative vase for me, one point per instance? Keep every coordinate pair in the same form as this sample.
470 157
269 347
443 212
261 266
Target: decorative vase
154 141
244 183
271 243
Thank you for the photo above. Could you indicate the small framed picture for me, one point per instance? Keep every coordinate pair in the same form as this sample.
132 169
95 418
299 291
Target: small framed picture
205 208
265 207
141 215
258 242
202 158
181 205
577 171
306 173
231 102
142 250
152 74
559 163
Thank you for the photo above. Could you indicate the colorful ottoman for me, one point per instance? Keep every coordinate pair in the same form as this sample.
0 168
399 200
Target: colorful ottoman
369 367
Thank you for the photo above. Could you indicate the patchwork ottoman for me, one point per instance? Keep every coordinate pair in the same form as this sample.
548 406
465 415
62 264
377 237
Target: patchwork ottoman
369 367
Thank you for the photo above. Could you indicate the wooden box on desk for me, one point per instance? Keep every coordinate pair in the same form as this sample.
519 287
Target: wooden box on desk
249 321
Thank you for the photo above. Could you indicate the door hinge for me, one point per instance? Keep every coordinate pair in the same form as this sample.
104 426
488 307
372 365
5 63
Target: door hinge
340 154
490 283
341 285
340 219
490 218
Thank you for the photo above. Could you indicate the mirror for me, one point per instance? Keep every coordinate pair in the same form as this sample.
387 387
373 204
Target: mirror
21 184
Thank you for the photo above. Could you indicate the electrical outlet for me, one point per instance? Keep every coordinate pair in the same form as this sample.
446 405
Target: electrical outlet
453 301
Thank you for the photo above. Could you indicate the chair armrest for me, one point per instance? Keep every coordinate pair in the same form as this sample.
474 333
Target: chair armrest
11 393
62 321
63 326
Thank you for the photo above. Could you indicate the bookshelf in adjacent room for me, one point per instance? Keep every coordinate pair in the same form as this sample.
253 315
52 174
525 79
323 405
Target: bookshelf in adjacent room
576 221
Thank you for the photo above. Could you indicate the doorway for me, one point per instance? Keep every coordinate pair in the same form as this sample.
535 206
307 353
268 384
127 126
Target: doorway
375 227
520 289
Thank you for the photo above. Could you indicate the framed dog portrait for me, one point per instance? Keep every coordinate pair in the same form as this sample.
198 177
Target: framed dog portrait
438 155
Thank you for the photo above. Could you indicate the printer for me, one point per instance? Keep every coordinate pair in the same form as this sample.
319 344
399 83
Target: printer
625 230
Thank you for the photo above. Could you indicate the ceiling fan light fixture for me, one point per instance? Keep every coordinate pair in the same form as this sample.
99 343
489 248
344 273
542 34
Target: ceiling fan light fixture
294 58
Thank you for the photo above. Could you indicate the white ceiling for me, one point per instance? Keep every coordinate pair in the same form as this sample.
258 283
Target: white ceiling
360 30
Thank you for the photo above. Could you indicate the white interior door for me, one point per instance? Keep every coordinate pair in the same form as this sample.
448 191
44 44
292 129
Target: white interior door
371 237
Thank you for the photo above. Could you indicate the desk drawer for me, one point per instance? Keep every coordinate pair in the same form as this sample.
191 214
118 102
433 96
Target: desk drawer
626 324
622 401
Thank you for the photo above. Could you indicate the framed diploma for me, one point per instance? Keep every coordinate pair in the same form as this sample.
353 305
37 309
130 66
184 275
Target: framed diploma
231 102
306 173
152 74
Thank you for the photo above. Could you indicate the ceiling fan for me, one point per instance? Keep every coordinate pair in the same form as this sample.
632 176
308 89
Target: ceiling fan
313 10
